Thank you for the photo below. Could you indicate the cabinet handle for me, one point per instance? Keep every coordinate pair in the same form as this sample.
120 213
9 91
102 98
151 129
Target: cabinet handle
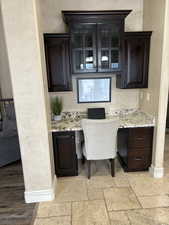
138 158
140 138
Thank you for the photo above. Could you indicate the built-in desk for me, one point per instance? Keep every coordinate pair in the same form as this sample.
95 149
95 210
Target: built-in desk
135 137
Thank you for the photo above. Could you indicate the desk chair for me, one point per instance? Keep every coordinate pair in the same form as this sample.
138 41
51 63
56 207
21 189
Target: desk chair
100 141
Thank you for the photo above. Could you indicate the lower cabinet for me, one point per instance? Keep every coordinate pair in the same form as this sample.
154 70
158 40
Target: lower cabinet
65 157
135 148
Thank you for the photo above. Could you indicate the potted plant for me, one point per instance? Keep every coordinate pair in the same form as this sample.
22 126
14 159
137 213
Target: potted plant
57 107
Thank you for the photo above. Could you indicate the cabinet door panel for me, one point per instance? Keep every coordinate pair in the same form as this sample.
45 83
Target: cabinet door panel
136 60
65 153
83 41
135 55
109 47
58 62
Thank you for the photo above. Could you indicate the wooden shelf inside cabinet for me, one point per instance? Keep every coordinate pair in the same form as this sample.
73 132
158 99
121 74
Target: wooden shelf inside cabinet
136 50
57 52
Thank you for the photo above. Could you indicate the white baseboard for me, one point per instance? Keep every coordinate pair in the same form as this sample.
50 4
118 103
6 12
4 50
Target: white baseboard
156 172
41 195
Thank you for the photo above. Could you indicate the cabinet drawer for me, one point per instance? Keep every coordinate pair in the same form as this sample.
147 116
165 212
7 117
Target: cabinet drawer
140 138
139 152
140 132
140 143
141 162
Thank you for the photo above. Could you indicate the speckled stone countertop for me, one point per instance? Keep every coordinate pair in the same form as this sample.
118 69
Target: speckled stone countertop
127 120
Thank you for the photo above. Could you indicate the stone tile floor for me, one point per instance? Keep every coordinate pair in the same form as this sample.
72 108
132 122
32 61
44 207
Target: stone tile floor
128 199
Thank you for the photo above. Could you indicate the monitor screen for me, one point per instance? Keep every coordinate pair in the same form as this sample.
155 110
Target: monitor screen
94 90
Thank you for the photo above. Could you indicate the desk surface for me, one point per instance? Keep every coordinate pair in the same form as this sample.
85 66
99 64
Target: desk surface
130 120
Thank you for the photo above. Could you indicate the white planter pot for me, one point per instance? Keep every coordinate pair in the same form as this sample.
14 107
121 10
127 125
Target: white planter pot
57 117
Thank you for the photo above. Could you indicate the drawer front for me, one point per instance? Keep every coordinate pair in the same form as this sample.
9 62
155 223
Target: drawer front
140 132
138 152
140 138
139 161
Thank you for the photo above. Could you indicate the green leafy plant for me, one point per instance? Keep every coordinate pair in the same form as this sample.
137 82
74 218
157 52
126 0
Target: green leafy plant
57 105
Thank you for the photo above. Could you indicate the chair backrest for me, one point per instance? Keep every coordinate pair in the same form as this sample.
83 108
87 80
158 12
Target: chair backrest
100 138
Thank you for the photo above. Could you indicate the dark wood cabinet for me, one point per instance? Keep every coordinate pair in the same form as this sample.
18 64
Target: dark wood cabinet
96 40
136 61
109 47
135 148
57 51
65 154
83 43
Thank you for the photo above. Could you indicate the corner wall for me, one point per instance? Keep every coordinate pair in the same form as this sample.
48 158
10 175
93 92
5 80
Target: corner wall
31 100
153 20
156 18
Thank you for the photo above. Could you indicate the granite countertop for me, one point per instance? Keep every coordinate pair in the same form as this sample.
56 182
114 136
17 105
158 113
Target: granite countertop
129 120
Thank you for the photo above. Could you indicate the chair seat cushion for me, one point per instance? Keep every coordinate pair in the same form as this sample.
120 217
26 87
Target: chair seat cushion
113 156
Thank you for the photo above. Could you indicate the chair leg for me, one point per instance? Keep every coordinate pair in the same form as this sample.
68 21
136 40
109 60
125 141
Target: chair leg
83 159
112 167
89 168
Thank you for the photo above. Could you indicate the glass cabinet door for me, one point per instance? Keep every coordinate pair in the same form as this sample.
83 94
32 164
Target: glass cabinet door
108 47
84 48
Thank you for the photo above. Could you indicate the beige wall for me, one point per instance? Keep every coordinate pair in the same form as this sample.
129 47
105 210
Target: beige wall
121 99
5 80
30 95
52 18
153 20
53 22
156 18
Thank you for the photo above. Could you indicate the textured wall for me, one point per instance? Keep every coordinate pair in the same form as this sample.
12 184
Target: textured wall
154 23
53 22
156 18
28 81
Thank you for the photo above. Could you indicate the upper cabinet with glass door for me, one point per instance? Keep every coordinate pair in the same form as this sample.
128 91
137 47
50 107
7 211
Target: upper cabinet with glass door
83 43
109 47
96 40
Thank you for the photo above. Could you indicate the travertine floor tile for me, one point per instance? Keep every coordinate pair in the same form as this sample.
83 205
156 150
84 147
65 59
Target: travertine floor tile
143 186
158 216
120 199
121 182
48 209
89 213
118 218
96 182
62 220
154 201
71 191
95 194
138 174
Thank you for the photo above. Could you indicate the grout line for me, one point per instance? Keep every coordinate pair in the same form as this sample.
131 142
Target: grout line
47 217
107 211
34 216
136 197
71 219
130 222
